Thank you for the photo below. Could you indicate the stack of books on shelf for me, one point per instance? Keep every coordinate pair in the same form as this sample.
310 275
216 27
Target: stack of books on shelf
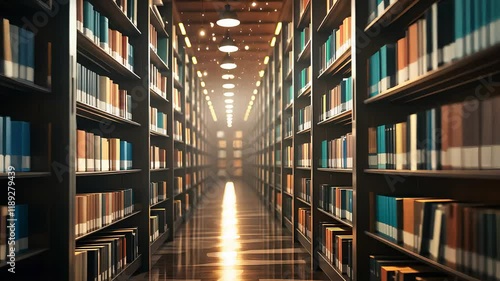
20 215
158 158
288 156
336 245
278 157
158 44
157 223
178 185
96 210
279 201
304 222
177 99
289 184
102 93
158 82
178 155
336 45
385 267
106 254
304 118
304 80
178 130
337 153
305 189
447 31
158 121
336 201
337 100
15 145
305 37
288 127
157 192
96 153
96 27
304 155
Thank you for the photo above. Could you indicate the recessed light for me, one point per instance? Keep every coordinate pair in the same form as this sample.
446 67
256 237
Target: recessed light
273 41
251 102
227 76
207 97
258 83
228 94
229 111
247 47
229 101
266 60
228 86
203 84
199 74
253 98
205 91
255 91
229 106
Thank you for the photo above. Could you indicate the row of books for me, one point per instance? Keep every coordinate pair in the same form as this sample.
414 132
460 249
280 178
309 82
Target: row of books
188 182
95 153
288 65
17 50
158 82
188 136
95 210
304 79
19 214
288 157
304 155
305 189
277 157
102 93
15 145
188 159
178 185
96 27
336 244
376 8
384 267
177 71
453 136
338 42
336 200
178 212
158 157
304 118
106 254
338 153
277 132
158 44
304 222
288 127
448 30
178 155
158 121
337 100
289 183
288 31
187 200
157 192
178 128
289 96
157 223
305 37
459 234
279 202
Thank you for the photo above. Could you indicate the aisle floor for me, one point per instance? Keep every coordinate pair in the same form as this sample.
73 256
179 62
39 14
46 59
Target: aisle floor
231 236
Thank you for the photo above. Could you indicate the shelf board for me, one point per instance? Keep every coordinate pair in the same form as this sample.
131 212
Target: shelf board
288 138
155 245
288 76
96 55
159 203
334 17
159 170
303 201
107 173
426 260
452 75
289 45
106 226
305 131
305 54
129 270
289 106
303 240
305 92
342 65
344 221
26 175
176 111
464 174
178 141
157 23
116 16
331 271
303 168
157 61
335 170
156 134
177 84
157 96
305 17
288 224
342 118
177 54
95 114
23 86
26 255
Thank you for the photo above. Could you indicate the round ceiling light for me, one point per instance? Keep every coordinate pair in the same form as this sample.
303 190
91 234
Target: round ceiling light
227 44
228 62
228 18
228 86
228 76
229 94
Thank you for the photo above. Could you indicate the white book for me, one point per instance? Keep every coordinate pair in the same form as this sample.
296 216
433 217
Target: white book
380 8
436 235
435 50
413 142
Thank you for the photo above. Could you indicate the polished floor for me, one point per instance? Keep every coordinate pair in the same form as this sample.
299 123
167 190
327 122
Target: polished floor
231 236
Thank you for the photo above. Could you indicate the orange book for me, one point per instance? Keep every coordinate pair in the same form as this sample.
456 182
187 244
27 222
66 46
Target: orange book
413 51
81 140
402 60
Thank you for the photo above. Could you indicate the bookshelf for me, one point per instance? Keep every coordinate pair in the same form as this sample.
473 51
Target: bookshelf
106 92
344 117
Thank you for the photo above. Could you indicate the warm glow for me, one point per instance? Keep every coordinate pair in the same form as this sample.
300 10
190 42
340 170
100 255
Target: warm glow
254 4
202 32
203 84
257 84
181 27
278 29
188 43
247 47
261 73
273 41
229 106
199 74
229 94
266 60
229 116
228 76
195 61
251 102
255 91
228 101
209 103
253 97
229 111
205 91
207 97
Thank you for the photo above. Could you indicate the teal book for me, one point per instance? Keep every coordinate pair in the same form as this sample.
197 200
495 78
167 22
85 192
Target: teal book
104 32
123 155
16 141
25 147
324 154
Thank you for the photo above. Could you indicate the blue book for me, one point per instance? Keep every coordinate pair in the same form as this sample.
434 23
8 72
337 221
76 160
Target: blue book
384 77
104 32
2 145
7 141
374 74
468 20
21 235
25 147
324 154
22 53
88 11
16 141
123 155
381 147
459 27
130 156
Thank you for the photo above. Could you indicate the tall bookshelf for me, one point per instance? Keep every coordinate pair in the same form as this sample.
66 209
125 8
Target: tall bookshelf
463 83
60 100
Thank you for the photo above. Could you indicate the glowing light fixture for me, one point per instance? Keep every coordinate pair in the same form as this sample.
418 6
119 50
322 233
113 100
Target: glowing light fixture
257 84
199 74
266 60
253 98
229 106
273 41
228 18
194 60
229 111
228 62
205 91
255 91
228 86
228 100
227 76
227 44
229 94
188 43
261 73
278 29
182 28
203 84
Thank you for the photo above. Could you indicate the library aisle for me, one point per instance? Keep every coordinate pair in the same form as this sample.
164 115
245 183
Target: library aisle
231 236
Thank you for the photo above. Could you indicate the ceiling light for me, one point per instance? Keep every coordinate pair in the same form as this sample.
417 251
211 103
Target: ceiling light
228 86
195 61
255 91
229 126
228 18
229 106
247 47
229 94
253 98
207 98
227 44
188 43
254 4
199 74
273 41
202 32
181 27
278 29
251 102
261 73
228 62
229 115
229 111
205 91
266 60
205 73
258 83
203 84
209 103
227 76
228 101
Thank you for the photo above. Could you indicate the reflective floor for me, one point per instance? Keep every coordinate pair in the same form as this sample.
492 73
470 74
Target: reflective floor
231 237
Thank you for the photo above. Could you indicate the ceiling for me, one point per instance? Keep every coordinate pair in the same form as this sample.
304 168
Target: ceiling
258 23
